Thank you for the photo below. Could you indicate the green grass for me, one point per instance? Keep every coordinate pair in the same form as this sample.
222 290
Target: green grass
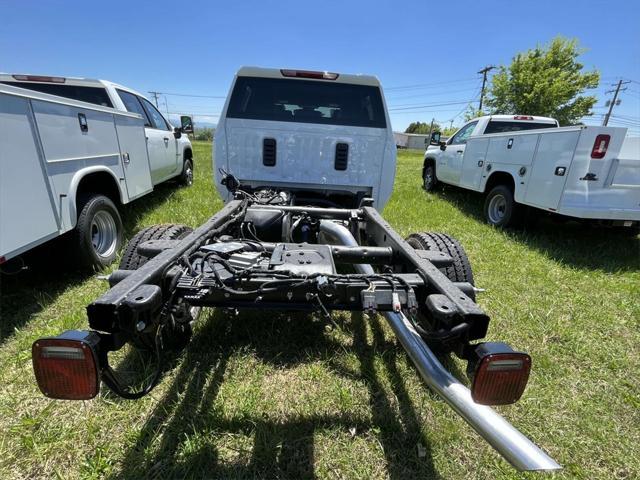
278 396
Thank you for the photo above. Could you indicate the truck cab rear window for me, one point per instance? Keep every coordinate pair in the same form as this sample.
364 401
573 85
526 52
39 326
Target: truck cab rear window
307 101
95 95
496 126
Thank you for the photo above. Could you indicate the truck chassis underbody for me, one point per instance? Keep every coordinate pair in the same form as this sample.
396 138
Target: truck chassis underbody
265 252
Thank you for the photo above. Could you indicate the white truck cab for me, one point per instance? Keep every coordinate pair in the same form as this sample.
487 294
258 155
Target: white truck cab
324 137
167 153
581 171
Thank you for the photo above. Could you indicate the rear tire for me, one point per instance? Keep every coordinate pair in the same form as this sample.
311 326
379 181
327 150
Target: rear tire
176 334
500 208
460 270
98 232
429 179
186 177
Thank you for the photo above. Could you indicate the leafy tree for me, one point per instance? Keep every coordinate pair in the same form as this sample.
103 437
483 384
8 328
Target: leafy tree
546 81
448 131
420 127
472 113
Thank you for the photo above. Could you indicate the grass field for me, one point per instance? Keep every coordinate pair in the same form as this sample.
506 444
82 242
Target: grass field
273 396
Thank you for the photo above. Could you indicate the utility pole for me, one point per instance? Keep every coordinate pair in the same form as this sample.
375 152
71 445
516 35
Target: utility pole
613 102
484 72
155 97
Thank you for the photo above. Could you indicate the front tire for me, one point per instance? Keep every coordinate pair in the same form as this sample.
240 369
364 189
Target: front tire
429 179
186 177
98 232
500 208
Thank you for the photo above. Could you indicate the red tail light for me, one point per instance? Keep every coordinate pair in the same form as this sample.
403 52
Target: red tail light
522 117
310 74
39 78
501 374
66 366
600 146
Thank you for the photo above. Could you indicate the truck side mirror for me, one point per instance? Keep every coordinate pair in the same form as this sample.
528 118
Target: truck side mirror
186 124
435 138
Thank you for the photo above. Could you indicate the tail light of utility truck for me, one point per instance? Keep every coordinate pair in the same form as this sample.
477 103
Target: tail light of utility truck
600 146
66 366
500 375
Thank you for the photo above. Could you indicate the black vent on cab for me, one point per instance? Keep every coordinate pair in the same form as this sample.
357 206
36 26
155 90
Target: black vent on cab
269 152
342 156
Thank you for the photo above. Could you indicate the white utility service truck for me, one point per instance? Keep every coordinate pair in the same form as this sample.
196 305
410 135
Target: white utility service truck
71 152
582 171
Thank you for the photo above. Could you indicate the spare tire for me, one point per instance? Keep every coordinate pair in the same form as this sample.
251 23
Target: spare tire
460 270
177 331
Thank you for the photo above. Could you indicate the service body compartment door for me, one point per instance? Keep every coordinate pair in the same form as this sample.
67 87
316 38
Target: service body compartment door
27 211
135 160
473 163
550 169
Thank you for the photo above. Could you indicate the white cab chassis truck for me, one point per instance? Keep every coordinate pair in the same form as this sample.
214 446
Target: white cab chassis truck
582 172
303 157
71 152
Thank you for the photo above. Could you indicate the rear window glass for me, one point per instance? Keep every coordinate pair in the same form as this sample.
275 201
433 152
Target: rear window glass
307 101
496 126
95 95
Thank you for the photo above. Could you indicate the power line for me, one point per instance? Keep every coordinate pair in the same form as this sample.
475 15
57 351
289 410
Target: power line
189 95
428 85
430 105
432 94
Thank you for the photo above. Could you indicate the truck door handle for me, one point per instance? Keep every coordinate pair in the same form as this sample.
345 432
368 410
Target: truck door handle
460 151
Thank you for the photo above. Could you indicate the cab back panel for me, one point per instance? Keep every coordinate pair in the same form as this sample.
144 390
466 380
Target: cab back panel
305 154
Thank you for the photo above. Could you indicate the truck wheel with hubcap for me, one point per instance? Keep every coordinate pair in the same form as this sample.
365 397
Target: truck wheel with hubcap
98 232
460 270
429 179
186 178
501 209
177 326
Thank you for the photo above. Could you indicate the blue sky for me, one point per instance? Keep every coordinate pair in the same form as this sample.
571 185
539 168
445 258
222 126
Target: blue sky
195 48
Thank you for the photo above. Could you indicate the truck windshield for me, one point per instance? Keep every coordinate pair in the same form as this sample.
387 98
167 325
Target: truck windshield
95 95
307 101
496 126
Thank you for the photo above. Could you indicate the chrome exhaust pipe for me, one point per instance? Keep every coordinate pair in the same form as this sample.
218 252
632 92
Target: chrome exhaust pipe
517 449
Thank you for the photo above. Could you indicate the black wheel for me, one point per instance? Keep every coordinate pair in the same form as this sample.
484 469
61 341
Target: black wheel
98 232
429 179
460 271
177 327
186 177
501 209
